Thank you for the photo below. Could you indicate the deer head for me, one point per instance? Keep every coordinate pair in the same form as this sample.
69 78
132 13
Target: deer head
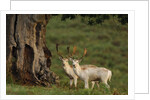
77 61
61 57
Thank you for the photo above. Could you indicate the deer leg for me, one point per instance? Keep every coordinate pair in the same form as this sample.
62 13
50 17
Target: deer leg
107 86
71 82
97 83
86 84
93 83
105 82
75 82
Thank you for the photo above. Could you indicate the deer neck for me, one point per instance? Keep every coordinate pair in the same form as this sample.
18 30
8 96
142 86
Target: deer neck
78 69
66 65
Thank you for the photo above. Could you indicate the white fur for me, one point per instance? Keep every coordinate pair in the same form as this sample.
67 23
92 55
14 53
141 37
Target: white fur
91 73
71 74
69 71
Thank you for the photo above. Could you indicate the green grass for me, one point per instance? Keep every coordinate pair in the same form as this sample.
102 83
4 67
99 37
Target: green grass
13 89
107 46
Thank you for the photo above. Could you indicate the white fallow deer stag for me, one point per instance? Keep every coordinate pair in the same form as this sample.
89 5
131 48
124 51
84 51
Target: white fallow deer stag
91 72
67 68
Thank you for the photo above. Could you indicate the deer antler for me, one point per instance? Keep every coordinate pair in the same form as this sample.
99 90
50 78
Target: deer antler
57 50
74 50
68 50
85 51
57 47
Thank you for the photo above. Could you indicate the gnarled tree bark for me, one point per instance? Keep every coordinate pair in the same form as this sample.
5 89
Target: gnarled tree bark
28 58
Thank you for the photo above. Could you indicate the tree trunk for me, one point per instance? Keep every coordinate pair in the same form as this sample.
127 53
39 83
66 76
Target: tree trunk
28 58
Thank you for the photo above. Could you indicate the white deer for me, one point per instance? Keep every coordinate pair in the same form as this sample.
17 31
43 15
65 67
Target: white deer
91 72
67 68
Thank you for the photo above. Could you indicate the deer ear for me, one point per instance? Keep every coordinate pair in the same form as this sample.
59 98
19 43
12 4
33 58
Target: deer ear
80 60
70 59
60 58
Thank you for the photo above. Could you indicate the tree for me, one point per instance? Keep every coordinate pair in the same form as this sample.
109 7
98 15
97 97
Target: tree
97 18
27 57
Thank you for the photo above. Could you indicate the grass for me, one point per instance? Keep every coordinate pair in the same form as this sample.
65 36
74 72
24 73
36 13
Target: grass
107 46
13 89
